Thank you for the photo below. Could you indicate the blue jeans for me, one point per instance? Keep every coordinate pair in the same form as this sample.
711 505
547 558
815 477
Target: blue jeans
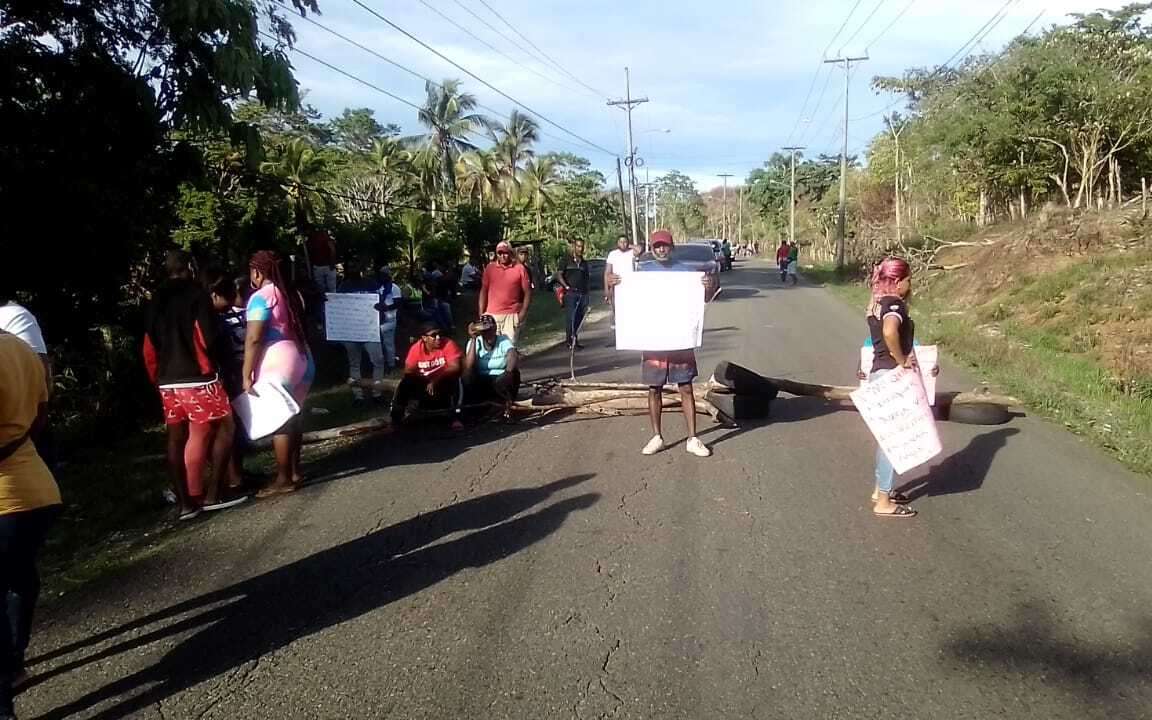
388 344
575 306
885 474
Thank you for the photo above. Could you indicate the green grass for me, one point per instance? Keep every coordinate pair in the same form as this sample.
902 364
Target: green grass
1070 388
846 283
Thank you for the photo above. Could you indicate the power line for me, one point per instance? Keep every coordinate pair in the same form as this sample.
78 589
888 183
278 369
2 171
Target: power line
481 80
980 34
819 69
864 24
890 25
490 46
413 73
537 48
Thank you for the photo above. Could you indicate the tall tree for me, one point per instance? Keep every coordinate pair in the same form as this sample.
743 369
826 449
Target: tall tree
449 118
513 147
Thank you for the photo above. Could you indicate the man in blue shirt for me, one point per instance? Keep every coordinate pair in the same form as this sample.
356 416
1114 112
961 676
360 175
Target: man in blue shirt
676 367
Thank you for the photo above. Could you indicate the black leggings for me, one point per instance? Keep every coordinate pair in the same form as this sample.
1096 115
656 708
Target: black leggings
501 388
21 537
448 396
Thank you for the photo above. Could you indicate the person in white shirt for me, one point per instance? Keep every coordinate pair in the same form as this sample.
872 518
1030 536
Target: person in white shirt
620 262
15 319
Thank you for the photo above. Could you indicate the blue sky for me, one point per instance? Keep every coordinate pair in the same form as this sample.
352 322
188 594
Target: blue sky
727 83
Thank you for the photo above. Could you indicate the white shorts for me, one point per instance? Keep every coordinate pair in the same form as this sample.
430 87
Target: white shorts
792 268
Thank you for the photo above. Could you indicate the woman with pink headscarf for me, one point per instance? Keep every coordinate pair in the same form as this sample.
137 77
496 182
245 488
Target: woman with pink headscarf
893 336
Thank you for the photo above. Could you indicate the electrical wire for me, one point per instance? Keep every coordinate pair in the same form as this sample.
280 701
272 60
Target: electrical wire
864 24
819 68
482 81
412 72
890 25
537 48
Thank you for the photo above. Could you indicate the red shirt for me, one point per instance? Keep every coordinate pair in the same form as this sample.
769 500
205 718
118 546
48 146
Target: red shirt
320 249
430 363
507 287
782 253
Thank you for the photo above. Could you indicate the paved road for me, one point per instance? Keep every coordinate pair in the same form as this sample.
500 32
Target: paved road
553 572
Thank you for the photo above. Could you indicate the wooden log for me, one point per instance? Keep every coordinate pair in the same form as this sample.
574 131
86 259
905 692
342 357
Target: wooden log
842 392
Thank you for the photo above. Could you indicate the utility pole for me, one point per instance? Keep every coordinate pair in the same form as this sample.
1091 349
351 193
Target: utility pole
740 216
842 219
623 212
647 206
792 150
628 103
724 207
896 139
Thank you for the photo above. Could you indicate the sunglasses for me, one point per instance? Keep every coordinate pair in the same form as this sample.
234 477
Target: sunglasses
433 335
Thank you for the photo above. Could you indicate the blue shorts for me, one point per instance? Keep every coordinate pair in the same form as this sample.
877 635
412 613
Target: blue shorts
677 367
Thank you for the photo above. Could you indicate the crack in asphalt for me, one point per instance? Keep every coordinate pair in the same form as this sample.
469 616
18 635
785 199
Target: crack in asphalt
624 502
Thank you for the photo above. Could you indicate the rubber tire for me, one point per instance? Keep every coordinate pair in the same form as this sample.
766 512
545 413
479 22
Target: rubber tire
742 381
979 414
742 407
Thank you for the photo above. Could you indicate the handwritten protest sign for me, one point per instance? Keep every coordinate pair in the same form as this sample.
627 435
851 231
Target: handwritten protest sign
657 311
896 410
352 317
927 357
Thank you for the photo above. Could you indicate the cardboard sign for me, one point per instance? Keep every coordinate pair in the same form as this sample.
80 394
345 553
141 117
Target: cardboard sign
927 357
266 411
660 311
895 408
352 317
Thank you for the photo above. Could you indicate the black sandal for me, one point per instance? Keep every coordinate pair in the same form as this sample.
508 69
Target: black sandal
900 511
899 498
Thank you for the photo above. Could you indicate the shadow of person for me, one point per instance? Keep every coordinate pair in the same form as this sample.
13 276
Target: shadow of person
962 471
262 614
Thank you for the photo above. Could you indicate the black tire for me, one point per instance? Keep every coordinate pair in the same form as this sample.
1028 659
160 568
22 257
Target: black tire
742 381
979 414
742 407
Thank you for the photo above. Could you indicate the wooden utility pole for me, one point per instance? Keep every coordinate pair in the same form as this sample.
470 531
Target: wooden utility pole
627 104
792 150
724 207
896 138
842 218
740 216
623 210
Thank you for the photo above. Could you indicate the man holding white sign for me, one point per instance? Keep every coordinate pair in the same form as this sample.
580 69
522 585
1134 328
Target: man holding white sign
666 331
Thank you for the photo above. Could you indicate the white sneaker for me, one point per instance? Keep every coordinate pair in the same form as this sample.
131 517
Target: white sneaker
655 445
698 448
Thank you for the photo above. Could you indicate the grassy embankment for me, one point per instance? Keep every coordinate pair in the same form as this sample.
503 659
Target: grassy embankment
1065 326
115 510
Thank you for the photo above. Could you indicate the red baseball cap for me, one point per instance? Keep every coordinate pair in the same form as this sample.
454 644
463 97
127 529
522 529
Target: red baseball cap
503 246
660 237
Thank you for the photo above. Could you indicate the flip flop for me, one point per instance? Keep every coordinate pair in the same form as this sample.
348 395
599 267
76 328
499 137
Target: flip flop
898 498
225 504
274 490
902 512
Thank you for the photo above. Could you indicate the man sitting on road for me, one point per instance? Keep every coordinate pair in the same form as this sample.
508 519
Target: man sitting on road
431 372
676 367
491 362
506 292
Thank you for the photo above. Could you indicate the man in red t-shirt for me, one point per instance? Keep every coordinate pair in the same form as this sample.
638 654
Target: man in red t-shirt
506 292
322 256
431 372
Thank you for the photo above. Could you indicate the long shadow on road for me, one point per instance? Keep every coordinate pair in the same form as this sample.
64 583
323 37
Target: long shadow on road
964 470
258 616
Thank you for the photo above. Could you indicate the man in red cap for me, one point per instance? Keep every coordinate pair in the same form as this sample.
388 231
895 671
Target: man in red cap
506 292
676 367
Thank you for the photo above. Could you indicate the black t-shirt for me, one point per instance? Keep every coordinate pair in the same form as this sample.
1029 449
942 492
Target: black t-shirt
885 306
576 274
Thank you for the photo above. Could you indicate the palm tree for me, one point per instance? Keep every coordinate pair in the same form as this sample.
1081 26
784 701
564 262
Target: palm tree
541 180
418 227
298 166
479 175
447 113
513 146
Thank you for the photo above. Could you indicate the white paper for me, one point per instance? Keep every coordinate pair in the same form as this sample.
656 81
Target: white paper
265 412
352 317
895 408
660 311
928 357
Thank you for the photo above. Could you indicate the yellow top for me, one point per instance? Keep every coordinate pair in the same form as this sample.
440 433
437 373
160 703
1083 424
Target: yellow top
25 482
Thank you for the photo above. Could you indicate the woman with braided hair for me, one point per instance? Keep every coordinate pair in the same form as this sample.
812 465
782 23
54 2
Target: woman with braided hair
276 350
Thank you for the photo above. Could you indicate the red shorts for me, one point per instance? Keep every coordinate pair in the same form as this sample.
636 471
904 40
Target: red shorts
199 405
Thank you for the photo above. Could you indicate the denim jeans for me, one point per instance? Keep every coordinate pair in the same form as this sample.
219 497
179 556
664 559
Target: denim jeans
388 344
575 306
885 475
21 537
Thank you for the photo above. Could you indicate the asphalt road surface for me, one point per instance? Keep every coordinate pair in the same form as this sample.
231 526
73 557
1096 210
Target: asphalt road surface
551 571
